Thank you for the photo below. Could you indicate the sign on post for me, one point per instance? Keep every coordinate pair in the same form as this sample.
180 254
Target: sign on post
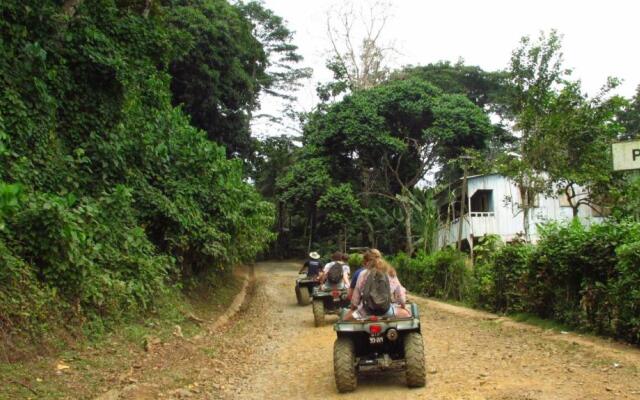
626 155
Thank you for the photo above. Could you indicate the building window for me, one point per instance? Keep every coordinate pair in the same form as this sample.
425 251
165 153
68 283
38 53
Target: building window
482 201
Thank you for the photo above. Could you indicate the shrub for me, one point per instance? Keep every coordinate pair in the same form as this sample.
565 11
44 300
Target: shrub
355 261
584 277
440 274
571 271
499 283
625 293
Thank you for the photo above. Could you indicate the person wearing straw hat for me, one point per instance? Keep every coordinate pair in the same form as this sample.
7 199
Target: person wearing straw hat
312 265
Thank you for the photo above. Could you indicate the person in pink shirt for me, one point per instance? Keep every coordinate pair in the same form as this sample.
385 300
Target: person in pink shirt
398 293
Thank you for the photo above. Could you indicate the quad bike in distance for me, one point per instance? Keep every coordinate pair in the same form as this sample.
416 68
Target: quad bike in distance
379 344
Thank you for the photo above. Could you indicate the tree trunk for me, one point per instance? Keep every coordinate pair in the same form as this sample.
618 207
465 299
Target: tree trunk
345 240
526 207
463 203
306 227
407 228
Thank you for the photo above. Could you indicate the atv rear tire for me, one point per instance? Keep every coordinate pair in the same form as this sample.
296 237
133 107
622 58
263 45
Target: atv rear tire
318 312
414 357
305 296
344 365
299 296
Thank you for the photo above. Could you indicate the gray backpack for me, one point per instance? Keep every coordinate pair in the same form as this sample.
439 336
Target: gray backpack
334 275
376 295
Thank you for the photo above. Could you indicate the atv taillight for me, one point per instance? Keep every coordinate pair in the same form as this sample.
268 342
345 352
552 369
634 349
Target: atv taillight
335 293
375 329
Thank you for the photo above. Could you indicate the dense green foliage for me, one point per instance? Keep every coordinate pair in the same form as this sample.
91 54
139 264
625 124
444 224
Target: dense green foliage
355 261
441 274
108 195
584 277
483 88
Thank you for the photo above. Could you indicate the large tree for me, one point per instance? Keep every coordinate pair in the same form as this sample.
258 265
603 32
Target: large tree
387 138
486 89
563 136
359 55
576 134
229 55
534 73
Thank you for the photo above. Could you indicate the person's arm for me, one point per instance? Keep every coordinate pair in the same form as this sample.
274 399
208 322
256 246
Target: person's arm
399 292
355 299
323 274
345 276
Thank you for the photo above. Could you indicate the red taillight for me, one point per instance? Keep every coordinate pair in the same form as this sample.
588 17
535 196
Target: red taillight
375 329
335 293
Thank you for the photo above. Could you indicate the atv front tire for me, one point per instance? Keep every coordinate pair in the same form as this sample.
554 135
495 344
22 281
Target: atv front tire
414 357
305 296
344 365
318 312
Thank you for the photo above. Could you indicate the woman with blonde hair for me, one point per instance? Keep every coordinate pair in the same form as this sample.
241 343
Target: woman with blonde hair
378 267
367 259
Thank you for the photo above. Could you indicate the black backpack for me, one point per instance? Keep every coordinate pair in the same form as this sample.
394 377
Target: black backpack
376 296
335 273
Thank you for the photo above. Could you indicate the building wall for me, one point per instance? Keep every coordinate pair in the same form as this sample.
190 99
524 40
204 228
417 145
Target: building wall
507 219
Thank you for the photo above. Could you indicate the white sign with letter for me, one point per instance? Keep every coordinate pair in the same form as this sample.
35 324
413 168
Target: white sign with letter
626 155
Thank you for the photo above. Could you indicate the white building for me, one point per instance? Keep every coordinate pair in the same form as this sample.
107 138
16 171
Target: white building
493 201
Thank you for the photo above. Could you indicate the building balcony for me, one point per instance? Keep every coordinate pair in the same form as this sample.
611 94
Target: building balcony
477 224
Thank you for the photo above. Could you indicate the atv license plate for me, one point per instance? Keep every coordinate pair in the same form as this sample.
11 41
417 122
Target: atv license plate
375 339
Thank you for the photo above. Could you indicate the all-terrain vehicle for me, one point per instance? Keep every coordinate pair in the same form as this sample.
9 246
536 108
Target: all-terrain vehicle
378 344
328 299
304 289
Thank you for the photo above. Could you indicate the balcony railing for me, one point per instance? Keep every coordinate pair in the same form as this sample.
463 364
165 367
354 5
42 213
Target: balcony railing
482 214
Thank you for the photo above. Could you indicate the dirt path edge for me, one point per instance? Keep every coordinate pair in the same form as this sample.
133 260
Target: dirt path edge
247 274
248 279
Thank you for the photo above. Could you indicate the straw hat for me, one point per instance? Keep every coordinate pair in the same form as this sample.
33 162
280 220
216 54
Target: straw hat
314 255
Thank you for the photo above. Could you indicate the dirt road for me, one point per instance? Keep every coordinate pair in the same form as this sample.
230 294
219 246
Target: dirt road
271 350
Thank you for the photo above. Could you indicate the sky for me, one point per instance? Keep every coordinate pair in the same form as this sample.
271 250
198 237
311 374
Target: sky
600 38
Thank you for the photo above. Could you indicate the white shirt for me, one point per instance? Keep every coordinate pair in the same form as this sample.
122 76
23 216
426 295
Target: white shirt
345 268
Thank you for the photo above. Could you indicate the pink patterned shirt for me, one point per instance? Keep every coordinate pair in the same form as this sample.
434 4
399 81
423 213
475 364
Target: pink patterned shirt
398 292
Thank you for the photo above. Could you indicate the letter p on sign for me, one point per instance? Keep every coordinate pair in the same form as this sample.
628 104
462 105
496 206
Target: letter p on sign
626 155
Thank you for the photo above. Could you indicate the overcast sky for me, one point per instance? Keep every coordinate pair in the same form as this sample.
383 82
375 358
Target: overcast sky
601 38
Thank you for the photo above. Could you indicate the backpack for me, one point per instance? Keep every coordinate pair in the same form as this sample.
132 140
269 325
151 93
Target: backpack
334 275
376 295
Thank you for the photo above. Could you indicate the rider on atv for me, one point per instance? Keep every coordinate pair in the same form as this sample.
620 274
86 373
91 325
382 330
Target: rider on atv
378 292
336 273
313 266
